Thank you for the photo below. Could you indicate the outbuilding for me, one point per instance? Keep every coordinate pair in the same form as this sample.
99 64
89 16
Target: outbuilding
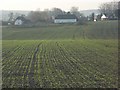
66 18
20 20
103 17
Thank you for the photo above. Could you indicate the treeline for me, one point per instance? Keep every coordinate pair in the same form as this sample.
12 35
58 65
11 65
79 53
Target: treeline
49 15
110 9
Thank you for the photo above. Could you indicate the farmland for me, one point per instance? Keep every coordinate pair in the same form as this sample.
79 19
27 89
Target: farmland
61 56
93 30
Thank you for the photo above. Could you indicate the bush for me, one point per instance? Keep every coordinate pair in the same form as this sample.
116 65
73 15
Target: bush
82 21
4 23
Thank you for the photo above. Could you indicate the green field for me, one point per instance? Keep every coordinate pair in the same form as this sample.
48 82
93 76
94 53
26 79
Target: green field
61 56
93 30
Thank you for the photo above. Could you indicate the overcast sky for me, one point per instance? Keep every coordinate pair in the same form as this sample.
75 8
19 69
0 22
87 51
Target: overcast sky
44 4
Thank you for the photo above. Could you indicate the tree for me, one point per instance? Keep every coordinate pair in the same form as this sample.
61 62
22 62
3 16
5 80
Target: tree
33 16
45 16
39 16
109 9
99 16
81 18
92 16
11 17
75 11
56 11
118 10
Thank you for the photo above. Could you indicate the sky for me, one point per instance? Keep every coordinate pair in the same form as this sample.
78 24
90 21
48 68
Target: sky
48 4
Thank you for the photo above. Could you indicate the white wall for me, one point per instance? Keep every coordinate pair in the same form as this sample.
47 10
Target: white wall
18 22
65 20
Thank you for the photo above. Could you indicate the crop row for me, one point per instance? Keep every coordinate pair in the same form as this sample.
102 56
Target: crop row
48 64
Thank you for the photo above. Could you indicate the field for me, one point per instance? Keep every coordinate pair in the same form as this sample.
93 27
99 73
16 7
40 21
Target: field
97 30
61 56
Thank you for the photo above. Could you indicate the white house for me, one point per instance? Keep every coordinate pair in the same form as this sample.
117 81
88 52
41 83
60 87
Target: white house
21 21
18 22
66 18
103 17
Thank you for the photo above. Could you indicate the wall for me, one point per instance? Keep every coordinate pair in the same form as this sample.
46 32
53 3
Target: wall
65 20
18 22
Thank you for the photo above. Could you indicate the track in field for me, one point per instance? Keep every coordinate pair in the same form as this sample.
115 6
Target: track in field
48 64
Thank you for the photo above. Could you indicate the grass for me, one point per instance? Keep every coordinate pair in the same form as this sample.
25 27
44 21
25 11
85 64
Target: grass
95 30
61 56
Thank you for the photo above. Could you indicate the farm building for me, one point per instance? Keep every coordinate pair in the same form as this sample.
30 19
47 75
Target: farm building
66 18
103 17
21 21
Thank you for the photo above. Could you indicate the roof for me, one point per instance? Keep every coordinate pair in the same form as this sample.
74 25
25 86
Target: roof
23 19
66 16
103 16
20 18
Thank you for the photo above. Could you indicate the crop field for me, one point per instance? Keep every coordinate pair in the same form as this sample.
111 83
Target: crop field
93 30
61 56
47 64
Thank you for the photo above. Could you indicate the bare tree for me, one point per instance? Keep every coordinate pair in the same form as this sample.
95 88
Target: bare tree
33 16
45 17
109 8
75 10
56 11
118 12
11 17
39 16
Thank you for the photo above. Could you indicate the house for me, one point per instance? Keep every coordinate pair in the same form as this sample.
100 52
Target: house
65 18
103 17
20 20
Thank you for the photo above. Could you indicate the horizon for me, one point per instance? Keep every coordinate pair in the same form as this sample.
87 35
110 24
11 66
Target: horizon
46 4
49 9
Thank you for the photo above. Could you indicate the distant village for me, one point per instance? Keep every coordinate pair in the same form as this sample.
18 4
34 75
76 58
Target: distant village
22 20
58 16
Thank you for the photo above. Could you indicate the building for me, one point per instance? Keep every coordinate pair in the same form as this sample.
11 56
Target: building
103 17
66 18
20 20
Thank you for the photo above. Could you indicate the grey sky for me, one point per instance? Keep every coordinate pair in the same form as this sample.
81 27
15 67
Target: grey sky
43 4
